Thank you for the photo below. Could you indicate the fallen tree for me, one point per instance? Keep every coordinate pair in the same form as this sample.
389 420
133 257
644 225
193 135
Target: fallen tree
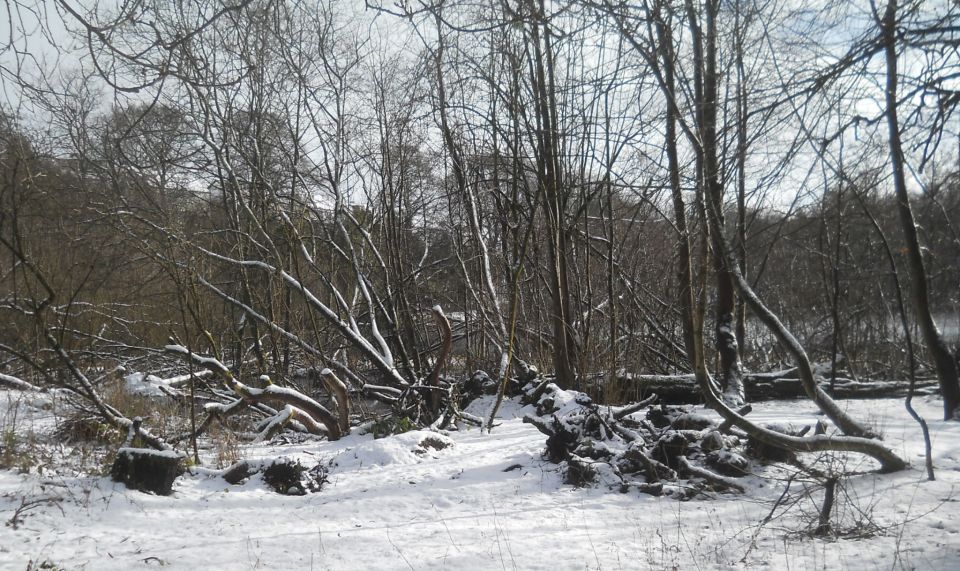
430 402
783 384
296 405
11 382
856 437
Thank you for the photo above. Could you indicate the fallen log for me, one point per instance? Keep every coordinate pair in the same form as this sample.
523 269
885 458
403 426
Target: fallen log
11 382
683 389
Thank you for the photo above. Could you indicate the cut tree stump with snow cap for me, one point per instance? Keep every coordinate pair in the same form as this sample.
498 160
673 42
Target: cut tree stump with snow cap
147 470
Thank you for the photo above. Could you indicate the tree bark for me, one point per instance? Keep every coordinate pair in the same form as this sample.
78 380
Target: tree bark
705 59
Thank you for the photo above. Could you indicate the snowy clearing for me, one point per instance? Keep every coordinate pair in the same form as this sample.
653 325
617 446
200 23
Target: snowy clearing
485 501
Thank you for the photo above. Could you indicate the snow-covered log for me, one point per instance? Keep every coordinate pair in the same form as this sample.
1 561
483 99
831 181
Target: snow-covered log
178 380
11 382
289 414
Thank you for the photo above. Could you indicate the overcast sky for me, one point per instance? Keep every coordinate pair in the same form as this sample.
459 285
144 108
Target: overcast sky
35 45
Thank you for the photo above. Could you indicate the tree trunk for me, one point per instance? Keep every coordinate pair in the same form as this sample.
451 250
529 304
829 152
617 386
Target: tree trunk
944 362
549 173
705 56
684 291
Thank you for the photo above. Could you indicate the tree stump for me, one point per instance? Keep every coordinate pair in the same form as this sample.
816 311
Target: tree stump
147 470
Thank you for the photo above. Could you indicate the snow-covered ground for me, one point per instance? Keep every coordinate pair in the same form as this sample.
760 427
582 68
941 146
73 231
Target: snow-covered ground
488 501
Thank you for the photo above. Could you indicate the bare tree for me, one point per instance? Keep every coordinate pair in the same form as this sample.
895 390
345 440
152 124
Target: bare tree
945 363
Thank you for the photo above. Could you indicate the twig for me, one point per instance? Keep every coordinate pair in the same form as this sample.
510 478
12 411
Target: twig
27 505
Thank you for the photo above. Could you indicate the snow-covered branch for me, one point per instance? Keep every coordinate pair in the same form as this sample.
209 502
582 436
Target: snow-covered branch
15 383
270 394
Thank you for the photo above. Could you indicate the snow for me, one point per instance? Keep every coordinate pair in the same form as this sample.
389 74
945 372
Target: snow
402 449
171 454
149 385
153 386
483 501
